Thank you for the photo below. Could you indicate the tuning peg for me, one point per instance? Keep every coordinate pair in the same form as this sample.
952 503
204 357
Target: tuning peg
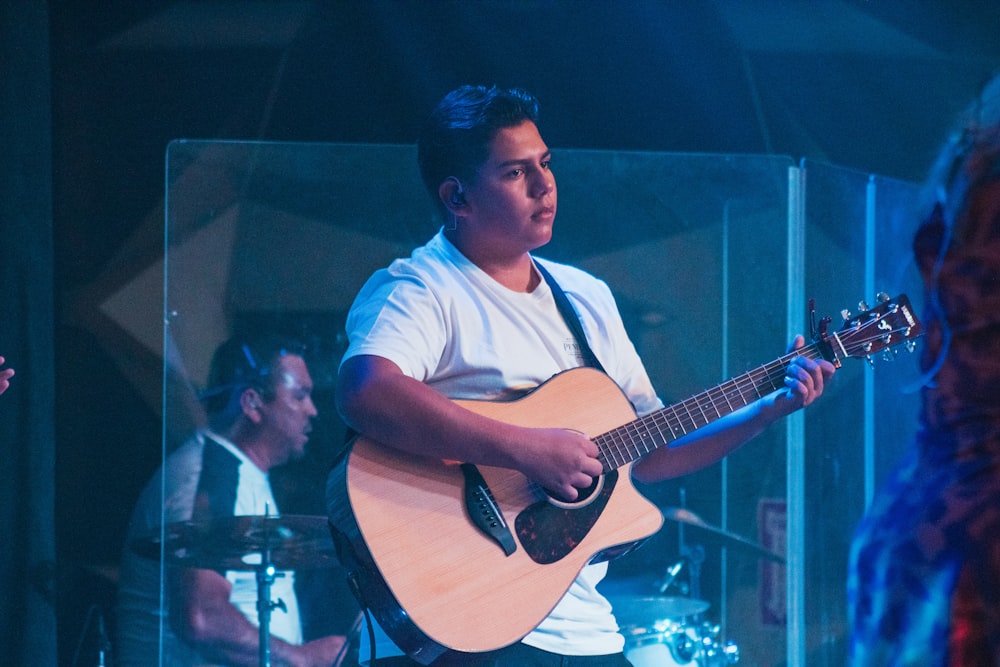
846 314
883 297
863 306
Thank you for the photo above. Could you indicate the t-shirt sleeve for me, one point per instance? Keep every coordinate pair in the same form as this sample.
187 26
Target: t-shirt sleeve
399 318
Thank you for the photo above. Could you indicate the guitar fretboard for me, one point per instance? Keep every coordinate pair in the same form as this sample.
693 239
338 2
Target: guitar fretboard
637 438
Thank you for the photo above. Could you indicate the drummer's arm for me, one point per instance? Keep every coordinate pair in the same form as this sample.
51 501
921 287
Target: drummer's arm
203 616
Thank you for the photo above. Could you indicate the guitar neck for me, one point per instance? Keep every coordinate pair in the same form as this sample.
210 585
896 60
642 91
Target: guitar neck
637 438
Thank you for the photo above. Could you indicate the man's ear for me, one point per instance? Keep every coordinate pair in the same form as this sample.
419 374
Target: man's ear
452 194
251 403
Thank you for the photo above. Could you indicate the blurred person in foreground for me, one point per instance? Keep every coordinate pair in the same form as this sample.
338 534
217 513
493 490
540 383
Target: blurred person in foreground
924 579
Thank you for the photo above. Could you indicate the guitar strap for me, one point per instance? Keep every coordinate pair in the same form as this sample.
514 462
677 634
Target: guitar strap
572 319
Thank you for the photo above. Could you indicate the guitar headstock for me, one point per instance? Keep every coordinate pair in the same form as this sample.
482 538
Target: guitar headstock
880 329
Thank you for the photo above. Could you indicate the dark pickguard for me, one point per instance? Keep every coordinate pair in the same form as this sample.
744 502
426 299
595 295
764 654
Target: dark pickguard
549 532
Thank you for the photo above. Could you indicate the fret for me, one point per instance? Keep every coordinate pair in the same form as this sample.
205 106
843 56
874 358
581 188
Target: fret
636 439
701 410
715 407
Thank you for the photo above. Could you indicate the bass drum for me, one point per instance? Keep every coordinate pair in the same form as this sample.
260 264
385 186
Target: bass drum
679 646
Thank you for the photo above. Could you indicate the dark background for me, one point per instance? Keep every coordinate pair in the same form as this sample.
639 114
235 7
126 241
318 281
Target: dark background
867 85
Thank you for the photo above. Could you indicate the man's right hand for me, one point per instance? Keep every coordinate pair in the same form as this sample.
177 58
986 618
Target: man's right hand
562 461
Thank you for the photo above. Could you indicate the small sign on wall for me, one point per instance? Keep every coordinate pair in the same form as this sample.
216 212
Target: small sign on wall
772 520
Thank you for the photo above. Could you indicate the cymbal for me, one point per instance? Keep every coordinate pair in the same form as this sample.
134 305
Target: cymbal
689 518
640 614
291 542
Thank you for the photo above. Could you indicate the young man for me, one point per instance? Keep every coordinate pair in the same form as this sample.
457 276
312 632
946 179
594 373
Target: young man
470 316
260 411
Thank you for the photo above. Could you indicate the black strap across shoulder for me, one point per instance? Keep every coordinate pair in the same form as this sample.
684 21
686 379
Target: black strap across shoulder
572 318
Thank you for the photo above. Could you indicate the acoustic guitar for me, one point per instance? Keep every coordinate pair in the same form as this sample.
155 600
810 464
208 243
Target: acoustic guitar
471 558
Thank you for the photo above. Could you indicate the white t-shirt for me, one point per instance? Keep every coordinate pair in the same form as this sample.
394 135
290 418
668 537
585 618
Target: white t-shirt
445 322
254 498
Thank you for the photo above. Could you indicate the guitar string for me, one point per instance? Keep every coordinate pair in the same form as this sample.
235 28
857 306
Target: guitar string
632 440
635 439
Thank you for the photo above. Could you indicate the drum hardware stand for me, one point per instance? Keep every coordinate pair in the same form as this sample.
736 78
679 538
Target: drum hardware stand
694 556
703 647
103 642
102 648
671 575
266 574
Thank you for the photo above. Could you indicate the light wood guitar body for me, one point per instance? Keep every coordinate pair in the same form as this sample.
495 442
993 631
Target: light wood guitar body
456 584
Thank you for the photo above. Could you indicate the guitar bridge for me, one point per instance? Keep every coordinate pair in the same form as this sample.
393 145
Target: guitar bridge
484 511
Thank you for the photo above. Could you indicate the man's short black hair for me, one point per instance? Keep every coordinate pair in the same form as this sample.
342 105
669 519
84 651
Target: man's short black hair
455 140
245 362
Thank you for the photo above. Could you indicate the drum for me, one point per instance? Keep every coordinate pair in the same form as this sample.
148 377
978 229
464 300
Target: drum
663 631
672 644
654 649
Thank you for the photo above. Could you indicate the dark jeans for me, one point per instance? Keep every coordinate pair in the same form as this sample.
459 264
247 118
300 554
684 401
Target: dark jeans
516 655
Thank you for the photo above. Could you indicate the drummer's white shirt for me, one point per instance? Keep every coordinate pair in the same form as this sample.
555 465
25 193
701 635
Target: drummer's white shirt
143 627
444 321
254 498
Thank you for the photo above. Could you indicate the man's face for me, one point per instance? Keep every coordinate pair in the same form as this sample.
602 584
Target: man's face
512 203
287 417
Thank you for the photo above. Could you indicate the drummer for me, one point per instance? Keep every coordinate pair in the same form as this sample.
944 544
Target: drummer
259 409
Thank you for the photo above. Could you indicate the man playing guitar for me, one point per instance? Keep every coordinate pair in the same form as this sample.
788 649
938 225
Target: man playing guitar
471 316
